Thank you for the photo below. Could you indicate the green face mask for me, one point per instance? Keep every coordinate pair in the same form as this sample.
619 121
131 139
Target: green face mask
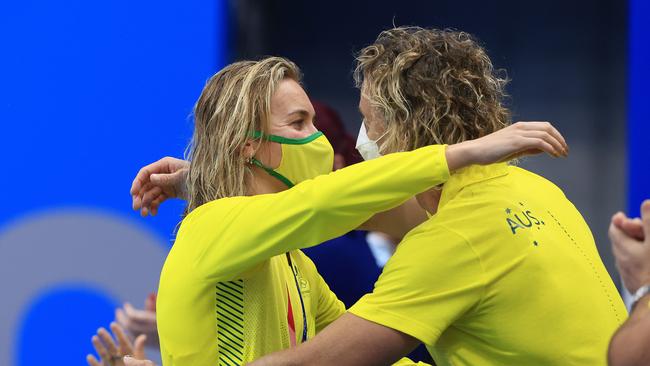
302 159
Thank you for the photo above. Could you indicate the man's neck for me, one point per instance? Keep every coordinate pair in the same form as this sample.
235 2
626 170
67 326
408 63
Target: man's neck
429 200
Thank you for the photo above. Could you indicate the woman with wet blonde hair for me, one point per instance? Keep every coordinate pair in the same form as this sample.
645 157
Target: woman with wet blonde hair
235 103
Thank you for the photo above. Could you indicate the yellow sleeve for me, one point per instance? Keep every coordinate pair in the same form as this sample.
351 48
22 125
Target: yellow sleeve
232 235
330 307
433 278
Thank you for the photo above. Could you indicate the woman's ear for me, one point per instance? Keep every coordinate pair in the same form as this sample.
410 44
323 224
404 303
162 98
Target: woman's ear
249 149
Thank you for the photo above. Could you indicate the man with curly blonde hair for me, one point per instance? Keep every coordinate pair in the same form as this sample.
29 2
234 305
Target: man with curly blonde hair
505 271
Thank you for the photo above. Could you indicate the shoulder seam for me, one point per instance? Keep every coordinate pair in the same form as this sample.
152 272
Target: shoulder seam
476 254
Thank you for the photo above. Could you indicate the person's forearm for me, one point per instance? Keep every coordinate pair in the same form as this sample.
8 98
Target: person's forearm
308 214
289 357
629 345
460 155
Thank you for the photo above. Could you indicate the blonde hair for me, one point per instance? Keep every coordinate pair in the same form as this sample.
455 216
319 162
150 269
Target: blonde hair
234 103
431 87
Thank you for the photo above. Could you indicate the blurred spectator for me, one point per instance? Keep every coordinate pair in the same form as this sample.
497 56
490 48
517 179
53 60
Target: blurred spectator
631 246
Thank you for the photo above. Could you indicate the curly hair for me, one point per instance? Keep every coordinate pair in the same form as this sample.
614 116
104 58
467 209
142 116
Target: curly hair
431 87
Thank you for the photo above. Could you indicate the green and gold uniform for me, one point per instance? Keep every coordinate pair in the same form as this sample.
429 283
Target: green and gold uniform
505 273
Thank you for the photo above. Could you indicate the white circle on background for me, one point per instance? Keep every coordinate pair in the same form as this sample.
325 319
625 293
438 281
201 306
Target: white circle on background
101 250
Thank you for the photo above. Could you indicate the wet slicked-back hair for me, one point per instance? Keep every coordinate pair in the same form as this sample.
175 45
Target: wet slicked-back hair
234 103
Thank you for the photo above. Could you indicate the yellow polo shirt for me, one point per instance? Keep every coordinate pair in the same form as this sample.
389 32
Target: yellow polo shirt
506 273
235 287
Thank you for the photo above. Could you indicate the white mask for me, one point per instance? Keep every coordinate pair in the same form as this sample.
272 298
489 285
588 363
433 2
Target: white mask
365 146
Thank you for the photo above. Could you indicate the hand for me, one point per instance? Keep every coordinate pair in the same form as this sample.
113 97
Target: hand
631 227
157 182
109 353
140 322
631 246
519 139
130 361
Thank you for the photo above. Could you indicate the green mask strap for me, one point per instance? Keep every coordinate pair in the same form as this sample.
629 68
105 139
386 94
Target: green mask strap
273 173
287 140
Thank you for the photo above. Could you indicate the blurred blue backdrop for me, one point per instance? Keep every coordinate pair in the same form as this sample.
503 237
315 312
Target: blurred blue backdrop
638 167
90 91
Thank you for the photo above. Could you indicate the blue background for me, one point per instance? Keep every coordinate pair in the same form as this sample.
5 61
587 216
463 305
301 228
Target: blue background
638 106
90 92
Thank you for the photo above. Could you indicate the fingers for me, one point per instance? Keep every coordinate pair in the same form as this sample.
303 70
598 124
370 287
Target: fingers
138 348
144 174
140 180
623 246
548 128
146 197
143 316
557 148
619 218
620 251
139 195
150 302
163 176
149 199
130 361
137 321
533 145
150 195
99 347
156 203
167 180
108 341
92 361
134 326
164 165
633 228
558 137
121 318
614 234
125 346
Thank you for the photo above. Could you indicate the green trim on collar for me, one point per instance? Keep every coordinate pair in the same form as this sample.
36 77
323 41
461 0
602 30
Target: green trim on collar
273 173
287 140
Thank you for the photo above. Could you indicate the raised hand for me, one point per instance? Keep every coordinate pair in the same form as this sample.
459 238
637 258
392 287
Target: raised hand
130 361
519 139
140 321
111 354
630 240
158 182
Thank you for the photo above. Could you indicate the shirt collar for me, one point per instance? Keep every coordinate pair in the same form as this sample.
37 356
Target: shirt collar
470 175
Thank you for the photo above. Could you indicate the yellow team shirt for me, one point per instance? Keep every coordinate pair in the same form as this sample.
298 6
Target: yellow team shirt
505 273
235 287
